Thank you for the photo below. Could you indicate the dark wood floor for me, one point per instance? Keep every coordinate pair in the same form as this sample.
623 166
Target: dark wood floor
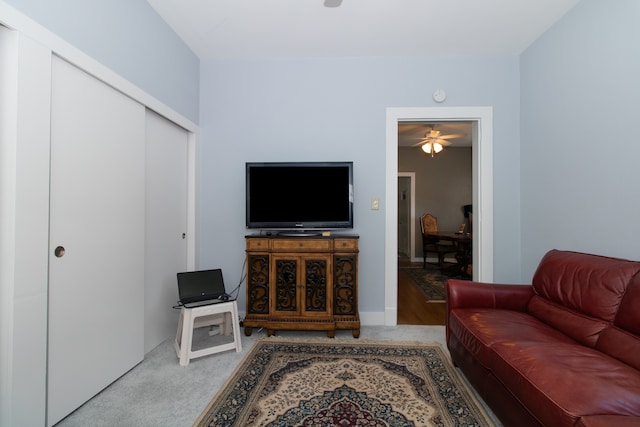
413 308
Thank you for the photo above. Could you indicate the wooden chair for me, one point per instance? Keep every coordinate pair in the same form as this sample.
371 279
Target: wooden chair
429 223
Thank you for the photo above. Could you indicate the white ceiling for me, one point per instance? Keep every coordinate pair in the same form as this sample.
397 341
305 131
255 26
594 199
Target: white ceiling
258 29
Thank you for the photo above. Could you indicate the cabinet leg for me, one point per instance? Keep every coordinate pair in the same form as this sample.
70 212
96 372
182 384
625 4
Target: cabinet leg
248 331
270 332
355 333
331 334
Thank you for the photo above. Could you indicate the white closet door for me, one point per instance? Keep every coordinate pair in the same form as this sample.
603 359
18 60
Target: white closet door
166 225
96 288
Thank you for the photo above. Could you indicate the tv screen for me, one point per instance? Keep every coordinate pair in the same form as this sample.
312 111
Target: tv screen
299 196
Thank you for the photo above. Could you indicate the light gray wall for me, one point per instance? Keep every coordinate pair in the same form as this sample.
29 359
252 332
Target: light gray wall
335 109
580 145
443 186
129 37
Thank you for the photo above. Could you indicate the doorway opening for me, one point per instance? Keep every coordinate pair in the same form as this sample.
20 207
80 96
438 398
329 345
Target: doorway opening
482 170
443 186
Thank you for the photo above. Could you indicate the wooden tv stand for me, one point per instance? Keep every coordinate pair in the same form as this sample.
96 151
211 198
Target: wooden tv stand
302 283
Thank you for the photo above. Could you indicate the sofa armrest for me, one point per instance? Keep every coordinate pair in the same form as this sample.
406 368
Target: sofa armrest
466 294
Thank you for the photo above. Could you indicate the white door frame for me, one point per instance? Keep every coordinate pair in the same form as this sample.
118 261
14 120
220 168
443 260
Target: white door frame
482 176
412 214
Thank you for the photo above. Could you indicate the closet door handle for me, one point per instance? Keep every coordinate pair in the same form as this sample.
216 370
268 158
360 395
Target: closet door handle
59 251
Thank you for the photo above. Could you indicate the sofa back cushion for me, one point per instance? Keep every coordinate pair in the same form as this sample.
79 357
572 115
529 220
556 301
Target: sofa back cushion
578 293
622 339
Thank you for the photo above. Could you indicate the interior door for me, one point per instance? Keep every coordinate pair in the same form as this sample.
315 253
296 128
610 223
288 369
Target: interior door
166 225
96 267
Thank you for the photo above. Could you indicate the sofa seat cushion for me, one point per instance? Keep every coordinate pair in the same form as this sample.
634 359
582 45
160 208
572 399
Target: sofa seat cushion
609 421
478 329
559 381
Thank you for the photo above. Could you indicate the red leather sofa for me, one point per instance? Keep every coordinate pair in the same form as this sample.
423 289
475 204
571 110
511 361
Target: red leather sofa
563 351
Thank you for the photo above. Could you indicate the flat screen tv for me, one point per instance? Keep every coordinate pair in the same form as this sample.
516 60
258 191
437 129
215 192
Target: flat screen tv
303 196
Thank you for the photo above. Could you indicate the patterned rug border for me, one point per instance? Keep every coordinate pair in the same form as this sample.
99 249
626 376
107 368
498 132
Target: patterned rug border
464 388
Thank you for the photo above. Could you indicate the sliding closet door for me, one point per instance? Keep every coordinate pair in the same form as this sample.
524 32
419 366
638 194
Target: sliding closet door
166 225
96 269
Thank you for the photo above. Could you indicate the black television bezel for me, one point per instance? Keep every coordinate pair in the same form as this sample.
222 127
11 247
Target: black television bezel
292 225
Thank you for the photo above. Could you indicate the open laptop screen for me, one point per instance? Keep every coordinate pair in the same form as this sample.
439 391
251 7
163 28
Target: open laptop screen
202 285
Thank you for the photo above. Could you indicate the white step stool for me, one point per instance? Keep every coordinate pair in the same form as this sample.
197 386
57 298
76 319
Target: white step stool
224 315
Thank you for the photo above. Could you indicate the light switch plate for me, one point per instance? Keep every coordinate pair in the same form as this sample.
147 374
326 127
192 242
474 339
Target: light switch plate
375 204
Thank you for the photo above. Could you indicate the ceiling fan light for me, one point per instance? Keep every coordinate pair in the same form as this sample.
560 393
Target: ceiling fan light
437 147
427 148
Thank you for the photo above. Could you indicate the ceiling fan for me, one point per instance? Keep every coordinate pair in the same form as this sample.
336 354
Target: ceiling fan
433 142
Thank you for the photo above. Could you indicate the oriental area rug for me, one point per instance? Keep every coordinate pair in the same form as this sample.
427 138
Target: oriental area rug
332 382
430 281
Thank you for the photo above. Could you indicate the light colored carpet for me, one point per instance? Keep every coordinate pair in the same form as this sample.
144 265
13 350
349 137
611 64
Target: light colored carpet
160 392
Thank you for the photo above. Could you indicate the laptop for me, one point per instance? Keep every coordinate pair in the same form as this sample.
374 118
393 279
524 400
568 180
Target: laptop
198 288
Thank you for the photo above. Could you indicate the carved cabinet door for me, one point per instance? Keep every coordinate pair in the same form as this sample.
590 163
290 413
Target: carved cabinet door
317 281
301 285
258 284
345 285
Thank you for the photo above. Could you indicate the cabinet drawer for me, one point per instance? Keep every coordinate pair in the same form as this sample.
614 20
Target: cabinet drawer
350 244
257 244
301 244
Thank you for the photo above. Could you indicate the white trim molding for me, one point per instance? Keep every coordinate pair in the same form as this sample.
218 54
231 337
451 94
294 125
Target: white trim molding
482 164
